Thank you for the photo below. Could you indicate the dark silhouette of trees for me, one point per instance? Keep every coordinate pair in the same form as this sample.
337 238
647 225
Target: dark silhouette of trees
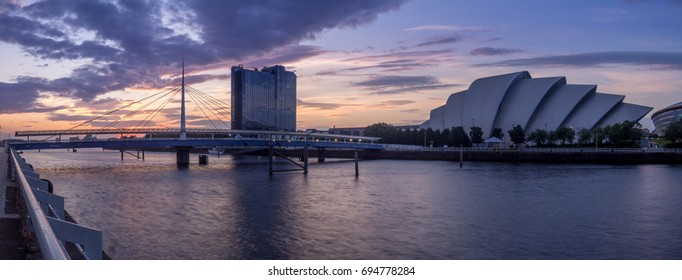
459 137
565 134
476 135
673 132
625 134
539 137
497 132
517 135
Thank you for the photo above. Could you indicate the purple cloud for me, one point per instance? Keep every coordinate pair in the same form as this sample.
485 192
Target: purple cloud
137 42
652 60
488 51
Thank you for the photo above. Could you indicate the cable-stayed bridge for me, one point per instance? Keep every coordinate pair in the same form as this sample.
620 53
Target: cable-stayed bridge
133 128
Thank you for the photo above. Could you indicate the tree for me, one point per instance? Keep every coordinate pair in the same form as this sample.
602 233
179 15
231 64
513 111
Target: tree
673 132
625 134
458 137
517 135
476 135
565 134
552 137
383 130
497 132
584 136
599 135
539 136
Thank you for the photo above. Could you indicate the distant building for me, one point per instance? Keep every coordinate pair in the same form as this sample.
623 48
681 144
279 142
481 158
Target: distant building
360 131
263 100
534 103
665 116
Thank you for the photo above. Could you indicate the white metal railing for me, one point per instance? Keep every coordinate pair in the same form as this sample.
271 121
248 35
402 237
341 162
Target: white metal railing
46 214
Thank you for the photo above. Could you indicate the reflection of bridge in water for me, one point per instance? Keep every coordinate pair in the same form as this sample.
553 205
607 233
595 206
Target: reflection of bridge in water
184 139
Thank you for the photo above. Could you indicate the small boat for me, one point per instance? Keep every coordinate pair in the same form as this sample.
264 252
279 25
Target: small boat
217 150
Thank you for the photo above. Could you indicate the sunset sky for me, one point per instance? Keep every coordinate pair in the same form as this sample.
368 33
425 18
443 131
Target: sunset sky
357 62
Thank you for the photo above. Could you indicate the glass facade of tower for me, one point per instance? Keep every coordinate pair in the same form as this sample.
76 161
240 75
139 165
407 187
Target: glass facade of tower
263 100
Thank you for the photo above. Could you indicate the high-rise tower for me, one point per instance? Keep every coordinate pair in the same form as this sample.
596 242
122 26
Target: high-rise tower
263 100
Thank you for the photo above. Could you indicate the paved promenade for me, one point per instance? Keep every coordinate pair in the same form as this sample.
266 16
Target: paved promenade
10 237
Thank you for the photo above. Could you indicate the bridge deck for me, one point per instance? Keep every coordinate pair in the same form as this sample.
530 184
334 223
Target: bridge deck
140 143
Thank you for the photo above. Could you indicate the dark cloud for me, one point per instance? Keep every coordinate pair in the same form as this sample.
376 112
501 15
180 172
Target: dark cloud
494 51
319 105
651 60
392 103
441 40
137 42
415 89
17 97
401 55
384 85
411 111
394 61
396 81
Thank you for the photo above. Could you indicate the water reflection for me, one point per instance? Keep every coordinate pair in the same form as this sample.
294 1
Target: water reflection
231 209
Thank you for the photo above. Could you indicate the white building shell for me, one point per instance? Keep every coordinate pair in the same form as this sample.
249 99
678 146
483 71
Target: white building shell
534 103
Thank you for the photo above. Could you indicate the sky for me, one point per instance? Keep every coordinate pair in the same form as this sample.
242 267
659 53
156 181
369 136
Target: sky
357 62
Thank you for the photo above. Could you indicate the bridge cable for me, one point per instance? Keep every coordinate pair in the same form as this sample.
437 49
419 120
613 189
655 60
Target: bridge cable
154 113
214 104
108 113
202 101
135 112
191 94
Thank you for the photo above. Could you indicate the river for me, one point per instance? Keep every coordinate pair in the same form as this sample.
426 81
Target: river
232 209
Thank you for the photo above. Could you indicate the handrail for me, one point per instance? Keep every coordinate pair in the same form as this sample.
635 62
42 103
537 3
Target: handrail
50 246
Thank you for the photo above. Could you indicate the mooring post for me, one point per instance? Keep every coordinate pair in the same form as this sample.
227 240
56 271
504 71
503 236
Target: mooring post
357 170
461 156
270 155
121 155
305 159
143 155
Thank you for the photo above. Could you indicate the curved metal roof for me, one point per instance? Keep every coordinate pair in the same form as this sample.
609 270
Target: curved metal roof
453 110
437 119
523 99
592 109
624 111
557 105
667 109
485 96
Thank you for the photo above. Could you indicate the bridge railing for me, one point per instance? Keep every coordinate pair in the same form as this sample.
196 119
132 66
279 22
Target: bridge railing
395 147
46 215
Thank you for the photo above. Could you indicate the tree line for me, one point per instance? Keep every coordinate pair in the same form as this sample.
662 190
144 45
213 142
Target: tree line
626 134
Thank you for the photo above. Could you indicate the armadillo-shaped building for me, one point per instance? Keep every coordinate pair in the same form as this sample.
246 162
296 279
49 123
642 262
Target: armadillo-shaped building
549 103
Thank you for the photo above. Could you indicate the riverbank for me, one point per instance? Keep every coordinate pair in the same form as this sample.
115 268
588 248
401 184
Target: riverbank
592 156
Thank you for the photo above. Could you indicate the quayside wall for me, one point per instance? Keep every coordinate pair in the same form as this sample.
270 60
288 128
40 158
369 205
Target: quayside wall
602 156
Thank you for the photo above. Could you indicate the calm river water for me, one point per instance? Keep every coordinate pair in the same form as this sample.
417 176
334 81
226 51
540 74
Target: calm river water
232 209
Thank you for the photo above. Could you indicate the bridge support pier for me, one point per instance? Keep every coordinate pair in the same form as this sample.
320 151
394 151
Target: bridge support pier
320 154
182 156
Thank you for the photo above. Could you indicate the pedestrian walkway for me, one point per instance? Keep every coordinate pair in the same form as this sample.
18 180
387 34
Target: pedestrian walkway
10 236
